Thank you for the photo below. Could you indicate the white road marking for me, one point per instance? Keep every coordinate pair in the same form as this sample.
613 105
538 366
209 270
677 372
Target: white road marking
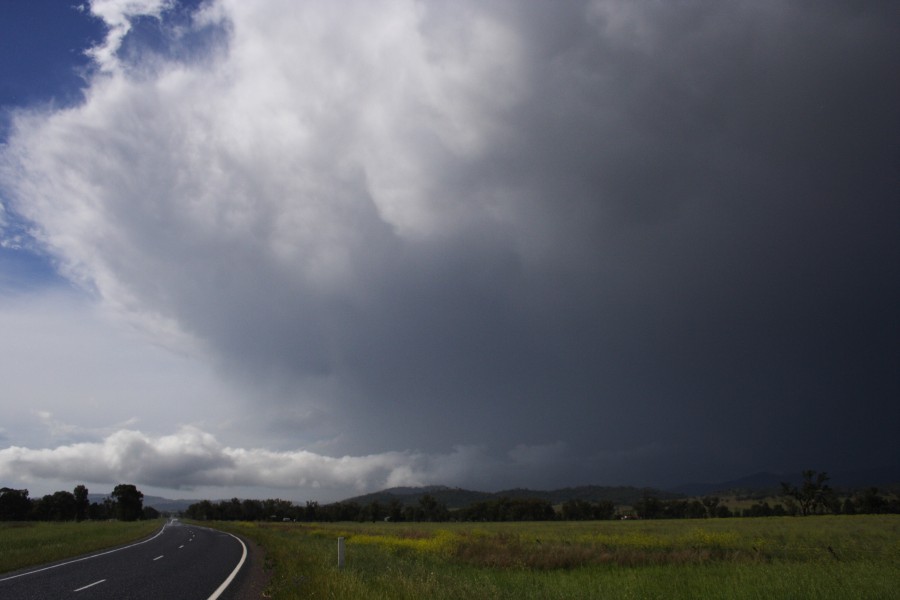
159 557
181 546
62 564
234 573
89 585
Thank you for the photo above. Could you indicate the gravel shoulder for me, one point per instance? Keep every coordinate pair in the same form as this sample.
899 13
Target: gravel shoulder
252 579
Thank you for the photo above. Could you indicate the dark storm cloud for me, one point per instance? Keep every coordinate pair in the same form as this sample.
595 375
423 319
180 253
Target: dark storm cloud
629 241
707 195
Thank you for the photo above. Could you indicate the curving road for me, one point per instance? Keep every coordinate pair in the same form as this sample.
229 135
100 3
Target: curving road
181 561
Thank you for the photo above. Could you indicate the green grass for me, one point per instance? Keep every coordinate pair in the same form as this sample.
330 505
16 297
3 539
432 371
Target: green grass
841 557
25 544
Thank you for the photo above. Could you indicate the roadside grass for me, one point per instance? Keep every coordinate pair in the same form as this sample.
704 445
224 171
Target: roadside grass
28 543
840 557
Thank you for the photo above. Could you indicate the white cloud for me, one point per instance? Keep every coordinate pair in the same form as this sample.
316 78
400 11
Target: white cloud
10 237
117 15
191 458
272 202
302 149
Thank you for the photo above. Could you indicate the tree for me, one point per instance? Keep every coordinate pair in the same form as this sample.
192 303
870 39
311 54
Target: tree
129 502
101 511
604 510
432 510
15 505
696 510
813 495
200 511
711 503
58 506
312 511
395 510
81 502
251 510
871 502
373 511
232 510
648 507
848 508
576 509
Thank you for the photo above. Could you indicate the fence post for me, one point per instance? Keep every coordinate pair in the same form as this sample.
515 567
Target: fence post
340 553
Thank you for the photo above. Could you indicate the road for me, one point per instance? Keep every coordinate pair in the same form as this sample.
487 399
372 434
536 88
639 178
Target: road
182 562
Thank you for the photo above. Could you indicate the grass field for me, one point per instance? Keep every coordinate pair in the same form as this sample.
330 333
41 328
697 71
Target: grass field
840 557
25 544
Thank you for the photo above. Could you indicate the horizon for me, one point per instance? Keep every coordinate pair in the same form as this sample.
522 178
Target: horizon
857 480
270 248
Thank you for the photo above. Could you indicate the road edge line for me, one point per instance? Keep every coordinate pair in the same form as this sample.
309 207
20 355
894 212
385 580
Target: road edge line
234 573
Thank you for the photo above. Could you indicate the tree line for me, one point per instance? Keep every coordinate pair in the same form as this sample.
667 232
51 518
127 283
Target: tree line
125 504
813 496
426 509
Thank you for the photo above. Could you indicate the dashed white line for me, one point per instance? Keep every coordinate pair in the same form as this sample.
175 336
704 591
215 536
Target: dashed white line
181 546
159 557
89 585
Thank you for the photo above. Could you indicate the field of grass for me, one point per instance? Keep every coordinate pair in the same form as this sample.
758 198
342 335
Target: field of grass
840 557
25 544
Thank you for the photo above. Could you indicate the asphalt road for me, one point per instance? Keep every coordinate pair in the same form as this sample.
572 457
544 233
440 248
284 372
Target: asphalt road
181 562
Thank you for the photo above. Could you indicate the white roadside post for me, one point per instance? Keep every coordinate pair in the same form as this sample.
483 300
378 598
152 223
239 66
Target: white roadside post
340 553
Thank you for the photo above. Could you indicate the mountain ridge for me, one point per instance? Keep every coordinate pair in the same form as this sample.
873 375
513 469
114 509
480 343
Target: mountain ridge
461 498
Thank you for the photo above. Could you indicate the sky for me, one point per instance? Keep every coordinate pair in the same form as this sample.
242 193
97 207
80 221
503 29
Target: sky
311 250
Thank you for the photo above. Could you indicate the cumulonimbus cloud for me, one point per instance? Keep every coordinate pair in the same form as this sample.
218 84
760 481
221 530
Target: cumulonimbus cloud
434 224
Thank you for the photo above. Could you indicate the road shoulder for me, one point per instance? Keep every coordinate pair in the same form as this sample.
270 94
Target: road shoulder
252 579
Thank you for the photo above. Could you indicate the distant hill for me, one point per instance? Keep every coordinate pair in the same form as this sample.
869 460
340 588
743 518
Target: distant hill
157 502
760 485
409 496
454 498
167 505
